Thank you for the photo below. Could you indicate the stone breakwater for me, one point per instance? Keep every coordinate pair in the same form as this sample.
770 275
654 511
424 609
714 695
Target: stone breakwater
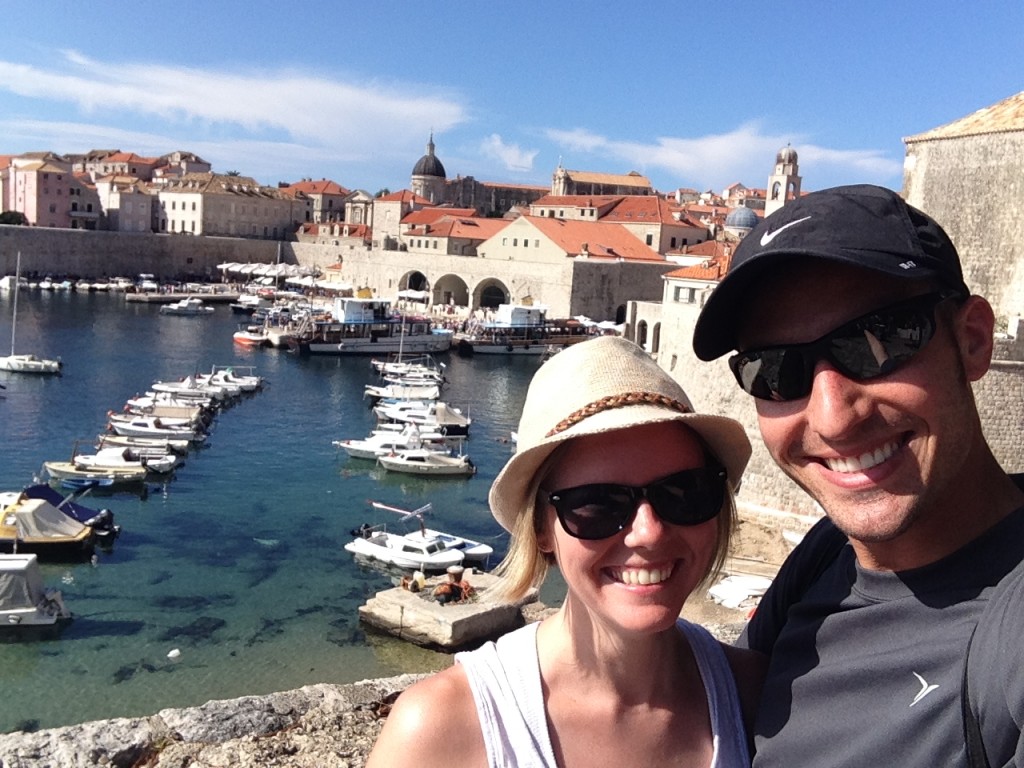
318 726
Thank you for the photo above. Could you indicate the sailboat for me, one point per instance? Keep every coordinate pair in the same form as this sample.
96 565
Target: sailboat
24 363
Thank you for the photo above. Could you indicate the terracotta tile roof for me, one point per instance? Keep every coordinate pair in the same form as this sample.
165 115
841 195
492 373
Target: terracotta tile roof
524 187
603 240
321 187
468 228
712 269
631 179
641 209
1005 116
577 201
5 161
404 196
435 213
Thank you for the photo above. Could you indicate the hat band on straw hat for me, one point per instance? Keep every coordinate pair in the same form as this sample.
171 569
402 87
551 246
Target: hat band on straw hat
617 401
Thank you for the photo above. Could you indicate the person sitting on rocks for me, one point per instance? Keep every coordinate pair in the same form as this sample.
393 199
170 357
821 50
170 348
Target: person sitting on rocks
618 482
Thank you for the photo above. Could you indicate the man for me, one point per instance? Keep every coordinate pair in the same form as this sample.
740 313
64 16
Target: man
858 339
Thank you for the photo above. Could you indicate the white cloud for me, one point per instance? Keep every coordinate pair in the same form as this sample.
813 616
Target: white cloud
714 161
323 111
512 156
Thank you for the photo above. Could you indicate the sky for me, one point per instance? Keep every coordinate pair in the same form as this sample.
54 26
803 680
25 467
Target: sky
695 95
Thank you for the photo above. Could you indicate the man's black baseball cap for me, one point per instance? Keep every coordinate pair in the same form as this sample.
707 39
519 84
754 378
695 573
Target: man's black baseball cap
861 225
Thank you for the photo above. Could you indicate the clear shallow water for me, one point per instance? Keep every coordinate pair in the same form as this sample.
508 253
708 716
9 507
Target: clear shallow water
237 562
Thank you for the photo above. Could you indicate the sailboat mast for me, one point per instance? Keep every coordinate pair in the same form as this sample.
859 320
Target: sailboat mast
17 289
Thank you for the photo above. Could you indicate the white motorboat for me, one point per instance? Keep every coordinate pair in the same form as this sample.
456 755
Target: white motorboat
191 387
437 416
153 426
422 461
24 363
403 391
24 601
425 549
118 458
143 444
190 307
383 441
229 376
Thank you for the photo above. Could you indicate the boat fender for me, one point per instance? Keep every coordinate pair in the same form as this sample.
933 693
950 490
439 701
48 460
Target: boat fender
509 347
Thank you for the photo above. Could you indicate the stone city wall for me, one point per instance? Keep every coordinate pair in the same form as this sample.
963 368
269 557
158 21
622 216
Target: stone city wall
972 185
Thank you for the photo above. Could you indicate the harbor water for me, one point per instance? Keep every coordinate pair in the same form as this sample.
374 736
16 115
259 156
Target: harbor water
236 563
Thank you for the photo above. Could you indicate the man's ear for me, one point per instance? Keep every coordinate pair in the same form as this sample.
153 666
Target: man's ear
975 324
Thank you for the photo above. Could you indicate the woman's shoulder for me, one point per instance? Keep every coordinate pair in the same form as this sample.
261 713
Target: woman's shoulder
433 722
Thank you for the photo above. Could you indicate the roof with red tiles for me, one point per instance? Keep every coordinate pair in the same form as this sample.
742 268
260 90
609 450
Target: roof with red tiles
631 179
642 209
5 161
435 213
1002 117
468 228
321 187
603 240
712 269
404 196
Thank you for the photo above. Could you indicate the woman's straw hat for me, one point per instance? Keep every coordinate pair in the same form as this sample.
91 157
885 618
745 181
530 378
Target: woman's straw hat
598 386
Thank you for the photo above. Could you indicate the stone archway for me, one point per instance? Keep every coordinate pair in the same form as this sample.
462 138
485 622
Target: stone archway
414 281
641 334
489 293
451 290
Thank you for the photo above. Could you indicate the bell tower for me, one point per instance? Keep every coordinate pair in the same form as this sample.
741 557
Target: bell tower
784 183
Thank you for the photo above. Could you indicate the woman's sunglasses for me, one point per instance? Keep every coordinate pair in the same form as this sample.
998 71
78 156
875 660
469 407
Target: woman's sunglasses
600 510
872 345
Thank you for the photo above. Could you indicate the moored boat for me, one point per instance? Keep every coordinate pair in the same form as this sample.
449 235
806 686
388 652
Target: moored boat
24 601
423 461
424 549
369 327
520 330
190 307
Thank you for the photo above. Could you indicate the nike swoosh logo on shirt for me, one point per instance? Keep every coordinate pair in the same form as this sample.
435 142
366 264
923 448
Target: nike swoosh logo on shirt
767 237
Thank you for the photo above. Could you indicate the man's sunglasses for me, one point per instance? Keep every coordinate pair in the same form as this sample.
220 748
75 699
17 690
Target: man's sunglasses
600 510
872 345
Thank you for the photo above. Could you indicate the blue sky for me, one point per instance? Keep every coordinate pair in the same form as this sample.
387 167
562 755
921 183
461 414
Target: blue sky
690 94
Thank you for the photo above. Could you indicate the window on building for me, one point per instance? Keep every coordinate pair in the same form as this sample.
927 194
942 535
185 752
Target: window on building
74 206
193 206
58 191
53 207
673 243
526 243
515 241
193 229
88 207
650 239
536 243
504 241
174 205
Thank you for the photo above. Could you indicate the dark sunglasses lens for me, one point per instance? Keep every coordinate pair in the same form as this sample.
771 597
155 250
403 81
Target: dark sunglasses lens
774 374
691 497
881 342
594 511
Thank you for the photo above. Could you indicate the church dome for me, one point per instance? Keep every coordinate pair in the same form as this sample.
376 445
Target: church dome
741 218
786 155
429 165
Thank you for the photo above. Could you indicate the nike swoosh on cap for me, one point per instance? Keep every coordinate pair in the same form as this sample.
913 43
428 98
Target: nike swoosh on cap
767 237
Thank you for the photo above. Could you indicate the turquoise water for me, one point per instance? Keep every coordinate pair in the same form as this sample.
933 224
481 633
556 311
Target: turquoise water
237 561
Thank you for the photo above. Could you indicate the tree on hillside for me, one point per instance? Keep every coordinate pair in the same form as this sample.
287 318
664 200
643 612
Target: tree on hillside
13 217
383 191
233 173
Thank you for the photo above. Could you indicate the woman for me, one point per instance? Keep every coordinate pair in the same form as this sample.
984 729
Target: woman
629 492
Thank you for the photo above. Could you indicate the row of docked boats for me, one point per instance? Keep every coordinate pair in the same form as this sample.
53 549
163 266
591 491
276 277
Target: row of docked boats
146 441
418 434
